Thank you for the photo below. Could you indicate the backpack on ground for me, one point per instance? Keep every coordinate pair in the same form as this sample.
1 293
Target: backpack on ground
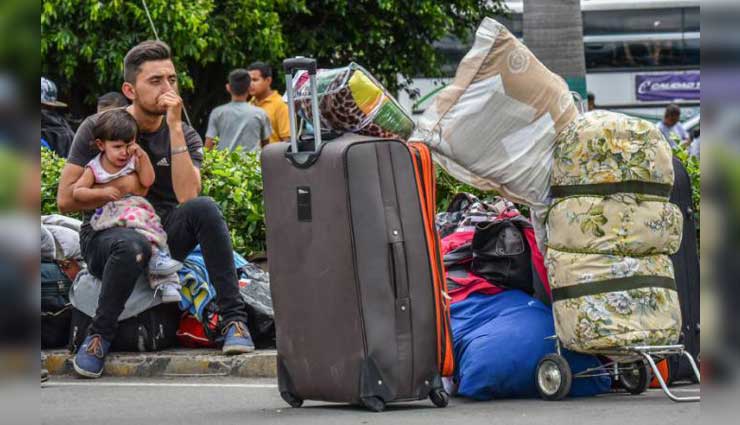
56 310
152 330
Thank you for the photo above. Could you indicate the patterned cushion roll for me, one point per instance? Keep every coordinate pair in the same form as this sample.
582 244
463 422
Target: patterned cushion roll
605 152
605 302
623 224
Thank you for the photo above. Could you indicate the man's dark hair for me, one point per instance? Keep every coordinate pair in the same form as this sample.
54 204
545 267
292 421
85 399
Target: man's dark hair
111 100
115 124
591 97
262 67
673 110
145 51
239 81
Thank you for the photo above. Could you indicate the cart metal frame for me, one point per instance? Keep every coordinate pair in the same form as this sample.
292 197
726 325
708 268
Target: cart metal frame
621 361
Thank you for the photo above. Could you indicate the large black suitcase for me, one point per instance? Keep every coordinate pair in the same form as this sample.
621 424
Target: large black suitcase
356 309
686 267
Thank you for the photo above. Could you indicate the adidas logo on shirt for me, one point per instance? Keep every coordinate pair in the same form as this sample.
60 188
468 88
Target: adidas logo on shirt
163 162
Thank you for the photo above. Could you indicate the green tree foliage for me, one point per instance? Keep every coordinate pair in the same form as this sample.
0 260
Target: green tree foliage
387 37
234 180
83 42
51 169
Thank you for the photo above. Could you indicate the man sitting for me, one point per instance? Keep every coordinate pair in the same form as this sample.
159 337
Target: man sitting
118 256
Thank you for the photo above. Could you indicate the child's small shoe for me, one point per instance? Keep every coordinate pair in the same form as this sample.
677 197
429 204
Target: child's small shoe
162 264
171 293
168 287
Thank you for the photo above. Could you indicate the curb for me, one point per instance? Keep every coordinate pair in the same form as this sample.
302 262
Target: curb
172 363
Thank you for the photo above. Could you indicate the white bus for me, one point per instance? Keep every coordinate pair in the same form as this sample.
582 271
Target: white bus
640 55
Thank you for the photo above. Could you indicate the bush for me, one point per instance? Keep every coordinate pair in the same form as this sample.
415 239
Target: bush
234 180
51 168
692 167
448 187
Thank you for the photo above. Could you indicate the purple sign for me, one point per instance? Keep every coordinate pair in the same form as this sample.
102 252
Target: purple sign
668 87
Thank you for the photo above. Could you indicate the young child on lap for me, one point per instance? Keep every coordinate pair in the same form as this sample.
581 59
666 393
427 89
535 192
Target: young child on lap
120 155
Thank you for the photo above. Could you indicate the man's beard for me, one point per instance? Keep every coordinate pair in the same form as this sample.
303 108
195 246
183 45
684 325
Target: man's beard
151 111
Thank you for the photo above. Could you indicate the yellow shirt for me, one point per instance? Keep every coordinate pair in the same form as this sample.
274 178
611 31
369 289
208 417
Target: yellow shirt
277 112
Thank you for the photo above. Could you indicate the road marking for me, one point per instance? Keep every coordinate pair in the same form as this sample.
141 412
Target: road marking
155 384
678 390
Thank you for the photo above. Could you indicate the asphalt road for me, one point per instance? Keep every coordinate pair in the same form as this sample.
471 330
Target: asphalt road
217 401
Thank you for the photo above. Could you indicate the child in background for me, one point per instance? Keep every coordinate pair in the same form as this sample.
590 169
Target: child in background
115 136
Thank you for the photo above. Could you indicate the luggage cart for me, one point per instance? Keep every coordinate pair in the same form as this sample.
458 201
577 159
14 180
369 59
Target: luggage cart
631 366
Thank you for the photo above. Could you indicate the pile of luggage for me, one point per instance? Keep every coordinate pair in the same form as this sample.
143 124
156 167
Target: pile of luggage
489 247
61 261
598 186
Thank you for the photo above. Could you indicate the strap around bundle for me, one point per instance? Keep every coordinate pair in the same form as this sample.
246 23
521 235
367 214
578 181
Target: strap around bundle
612 285
603 189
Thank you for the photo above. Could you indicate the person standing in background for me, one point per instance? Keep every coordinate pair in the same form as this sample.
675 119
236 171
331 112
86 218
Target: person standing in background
270 100
55 130
238 123
110 100
671 128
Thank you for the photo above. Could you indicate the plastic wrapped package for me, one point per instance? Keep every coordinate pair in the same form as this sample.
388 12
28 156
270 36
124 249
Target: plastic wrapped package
350 99
494 126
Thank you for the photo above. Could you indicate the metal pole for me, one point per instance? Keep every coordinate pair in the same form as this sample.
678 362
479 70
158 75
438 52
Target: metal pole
156 35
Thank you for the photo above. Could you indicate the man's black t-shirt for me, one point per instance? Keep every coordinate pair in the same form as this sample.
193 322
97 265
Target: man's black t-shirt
157 146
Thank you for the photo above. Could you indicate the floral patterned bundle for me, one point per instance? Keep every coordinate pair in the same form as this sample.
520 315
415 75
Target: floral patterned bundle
610 230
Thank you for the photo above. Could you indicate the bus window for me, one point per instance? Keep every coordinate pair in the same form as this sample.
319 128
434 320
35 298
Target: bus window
691 51
691 20
603 22
614 55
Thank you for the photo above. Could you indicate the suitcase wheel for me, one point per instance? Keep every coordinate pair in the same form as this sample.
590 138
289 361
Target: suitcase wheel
376 404
439 397
554 377
635 377
292 400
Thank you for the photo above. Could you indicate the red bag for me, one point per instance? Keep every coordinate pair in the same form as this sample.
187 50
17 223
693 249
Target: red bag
458 255
192 334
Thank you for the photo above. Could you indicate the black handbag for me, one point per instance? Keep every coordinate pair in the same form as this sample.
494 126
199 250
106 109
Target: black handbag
501 254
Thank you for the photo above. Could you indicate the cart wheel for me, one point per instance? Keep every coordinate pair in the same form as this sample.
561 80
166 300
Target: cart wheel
292 400
439 397
636 378
376 404
554 377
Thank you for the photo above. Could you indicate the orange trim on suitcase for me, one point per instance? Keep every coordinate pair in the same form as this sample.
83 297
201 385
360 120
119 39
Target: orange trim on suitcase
426 184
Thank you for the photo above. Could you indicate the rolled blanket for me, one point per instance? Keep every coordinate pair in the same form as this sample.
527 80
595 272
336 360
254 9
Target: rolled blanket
610 231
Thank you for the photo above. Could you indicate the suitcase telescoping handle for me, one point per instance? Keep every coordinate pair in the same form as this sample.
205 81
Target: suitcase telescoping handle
292 65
